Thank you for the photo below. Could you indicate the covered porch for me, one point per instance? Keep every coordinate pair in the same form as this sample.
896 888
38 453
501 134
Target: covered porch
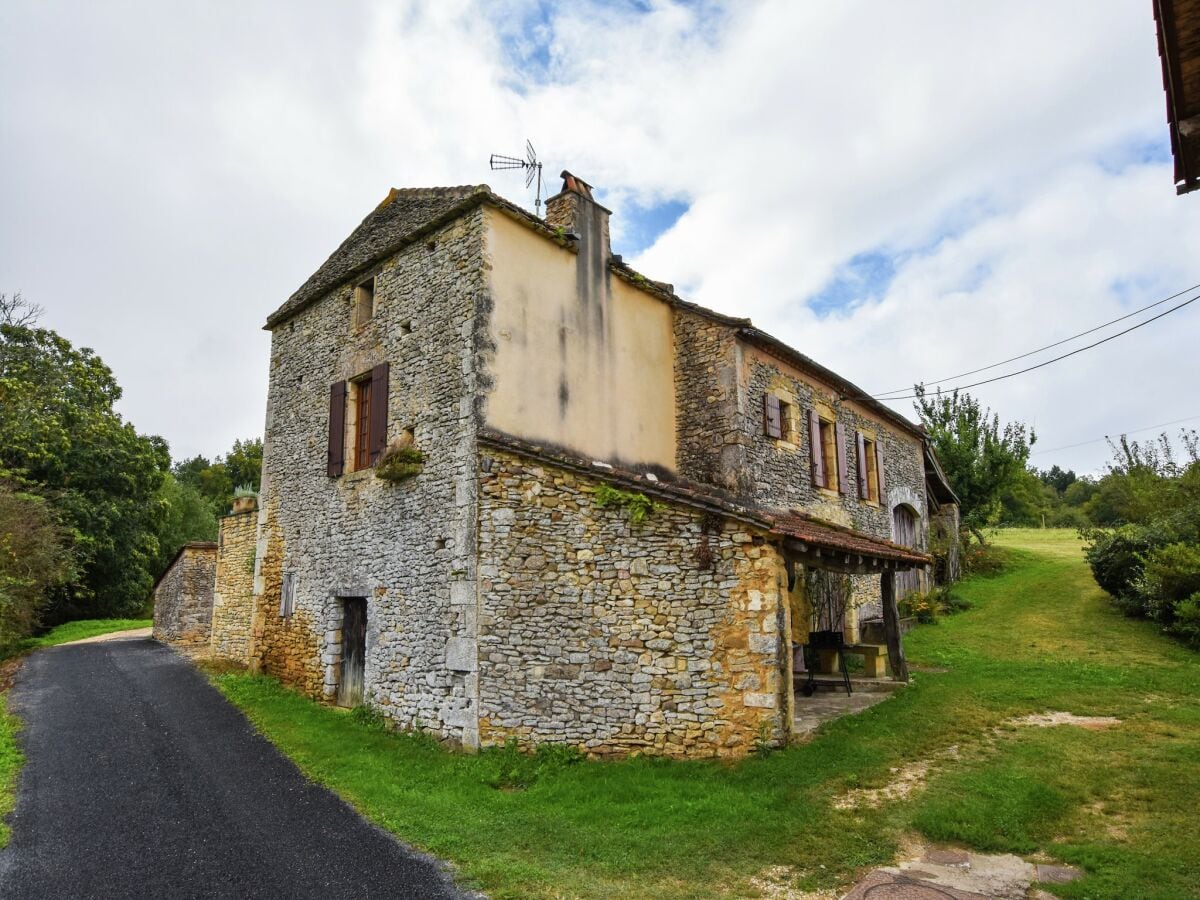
821 561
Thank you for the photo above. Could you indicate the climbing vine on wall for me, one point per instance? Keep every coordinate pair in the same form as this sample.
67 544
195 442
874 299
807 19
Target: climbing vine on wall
636 505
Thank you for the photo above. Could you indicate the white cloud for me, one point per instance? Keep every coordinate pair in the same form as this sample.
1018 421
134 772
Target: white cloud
174 174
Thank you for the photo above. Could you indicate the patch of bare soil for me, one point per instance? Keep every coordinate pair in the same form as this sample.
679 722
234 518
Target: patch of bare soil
1051 719
905 780
778 883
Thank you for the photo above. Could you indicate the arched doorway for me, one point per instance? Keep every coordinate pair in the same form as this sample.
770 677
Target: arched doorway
904 533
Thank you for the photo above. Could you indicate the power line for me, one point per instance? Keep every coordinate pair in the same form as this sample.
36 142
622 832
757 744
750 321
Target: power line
1099 439
1067 340
963 387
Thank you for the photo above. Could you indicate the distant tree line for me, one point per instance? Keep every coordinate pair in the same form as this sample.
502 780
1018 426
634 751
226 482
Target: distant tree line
1141 518
90 510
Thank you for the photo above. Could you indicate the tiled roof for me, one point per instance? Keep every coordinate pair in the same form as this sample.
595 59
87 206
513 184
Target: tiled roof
828 536
792 524
402 215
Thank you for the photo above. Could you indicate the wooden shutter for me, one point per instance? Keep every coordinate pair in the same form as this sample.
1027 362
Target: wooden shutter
879 471
287 595
816 449
377 435
772 421
337 429
860 447
839 450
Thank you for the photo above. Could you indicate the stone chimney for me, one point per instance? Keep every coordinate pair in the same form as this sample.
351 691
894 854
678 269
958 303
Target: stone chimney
575 211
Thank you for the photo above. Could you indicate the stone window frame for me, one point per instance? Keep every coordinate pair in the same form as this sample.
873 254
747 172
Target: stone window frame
789 419
351 431
870 440
364 302
828 420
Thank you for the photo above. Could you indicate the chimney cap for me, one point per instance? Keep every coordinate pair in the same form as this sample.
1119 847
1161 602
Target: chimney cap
575 184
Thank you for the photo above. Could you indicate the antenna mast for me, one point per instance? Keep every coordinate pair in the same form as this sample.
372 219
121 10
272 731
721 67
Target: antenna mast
531 165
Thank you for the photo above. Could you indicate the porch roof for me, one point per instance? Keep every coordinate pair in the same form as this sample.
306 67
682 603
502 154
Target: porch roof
827 545
818 543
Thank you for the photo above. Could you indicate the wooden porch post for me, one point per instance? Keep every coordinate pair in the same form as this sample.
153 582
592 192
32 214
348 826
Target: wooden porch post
891 627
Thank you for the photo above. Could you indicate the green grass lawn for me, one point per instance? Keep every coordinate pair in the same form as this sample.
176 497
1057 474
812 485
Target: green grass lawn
10 753
1041 636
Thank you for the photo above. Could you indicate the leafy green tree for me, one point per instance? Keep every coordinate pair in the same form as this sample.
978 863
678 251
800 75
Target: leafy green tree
35 559
981 459
1057 478
59 430
185 515
216 481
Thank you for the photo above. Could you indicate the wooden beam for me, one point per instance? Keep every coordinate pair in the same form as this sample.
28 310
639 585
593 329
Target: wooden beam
891 628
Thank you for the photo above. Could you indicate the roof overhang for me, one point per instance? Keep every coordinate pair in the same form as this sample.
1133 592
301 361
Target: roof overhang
1179 50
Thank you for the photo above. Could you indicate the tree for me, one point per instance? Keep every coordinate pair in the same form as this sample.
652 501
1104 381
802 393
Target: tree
16 310
184 515
216 481
35 558
1057 478
981 460
60 432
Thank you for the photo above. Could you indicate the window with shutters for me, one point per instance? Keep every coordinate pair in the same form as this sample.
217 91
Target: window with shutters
358 421
779 418
827 441
364 302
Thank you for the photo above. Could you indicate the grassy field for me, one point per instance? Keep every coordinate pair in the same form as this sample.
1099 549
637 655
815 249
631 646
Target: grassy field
10 753
1119 802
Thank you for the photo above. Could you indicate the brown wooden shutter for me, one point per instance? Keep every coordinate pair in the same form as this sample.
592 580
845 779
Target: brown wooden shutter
839 433
860 447
377 436
815 449
879 471
337 429
772 421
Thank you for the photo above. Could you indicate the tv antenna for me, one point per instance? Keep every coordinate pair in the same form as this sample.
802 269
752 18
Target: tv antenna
531 165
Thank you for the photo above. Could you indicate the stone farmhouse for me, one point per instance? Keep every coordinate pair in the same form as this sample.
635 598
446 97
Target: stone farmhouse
514 489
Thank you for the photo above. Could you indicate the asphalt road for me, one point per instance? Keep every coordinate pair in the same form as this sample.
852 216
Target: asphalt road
142 781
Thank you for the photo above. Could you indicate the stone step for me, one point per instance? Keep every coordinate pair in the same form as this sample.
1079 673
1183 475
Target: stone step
857 683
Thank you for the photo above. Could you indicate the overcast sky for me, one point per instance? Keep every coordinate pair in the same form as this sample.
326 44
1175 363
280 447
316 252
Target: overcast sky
903 191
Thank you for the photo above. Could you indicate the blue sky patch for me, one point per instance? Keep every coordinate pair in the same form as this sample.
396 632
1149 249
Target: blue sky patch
645 224
864 276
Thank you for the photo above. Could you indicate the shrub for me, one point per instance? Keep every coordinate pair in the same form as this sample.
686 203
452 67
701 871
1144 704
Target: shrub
1186 626
1115 557
920 606
982 559
1170 576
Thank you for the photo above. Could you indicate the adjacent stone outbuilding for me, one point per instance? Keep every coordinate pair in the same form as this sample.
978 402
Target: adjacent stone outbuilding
183 598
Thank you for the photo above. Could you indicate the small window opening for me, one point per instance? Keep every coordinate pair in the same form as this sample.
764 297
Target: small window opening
362 423
440 544
872 471
829 454
787 422
406 327
364 302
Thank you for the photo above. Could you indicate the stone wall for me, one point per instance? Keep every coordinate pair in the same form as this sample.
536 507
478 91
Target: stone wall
709 445
233 599
409 546
664 637
183 599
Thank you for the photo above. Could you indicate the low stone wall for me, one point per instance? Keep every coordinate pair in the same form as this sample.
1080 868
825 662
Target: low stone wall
665 636
233 599
183 599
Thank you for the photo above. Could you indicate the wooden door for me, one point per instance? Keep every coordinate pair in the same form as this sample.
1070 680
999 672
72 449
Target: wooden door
905 528
354 651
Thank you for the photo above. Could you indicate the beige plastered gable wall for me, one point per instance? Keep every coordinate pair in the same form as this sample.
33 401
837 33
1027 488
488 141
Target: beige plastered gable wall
588 367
